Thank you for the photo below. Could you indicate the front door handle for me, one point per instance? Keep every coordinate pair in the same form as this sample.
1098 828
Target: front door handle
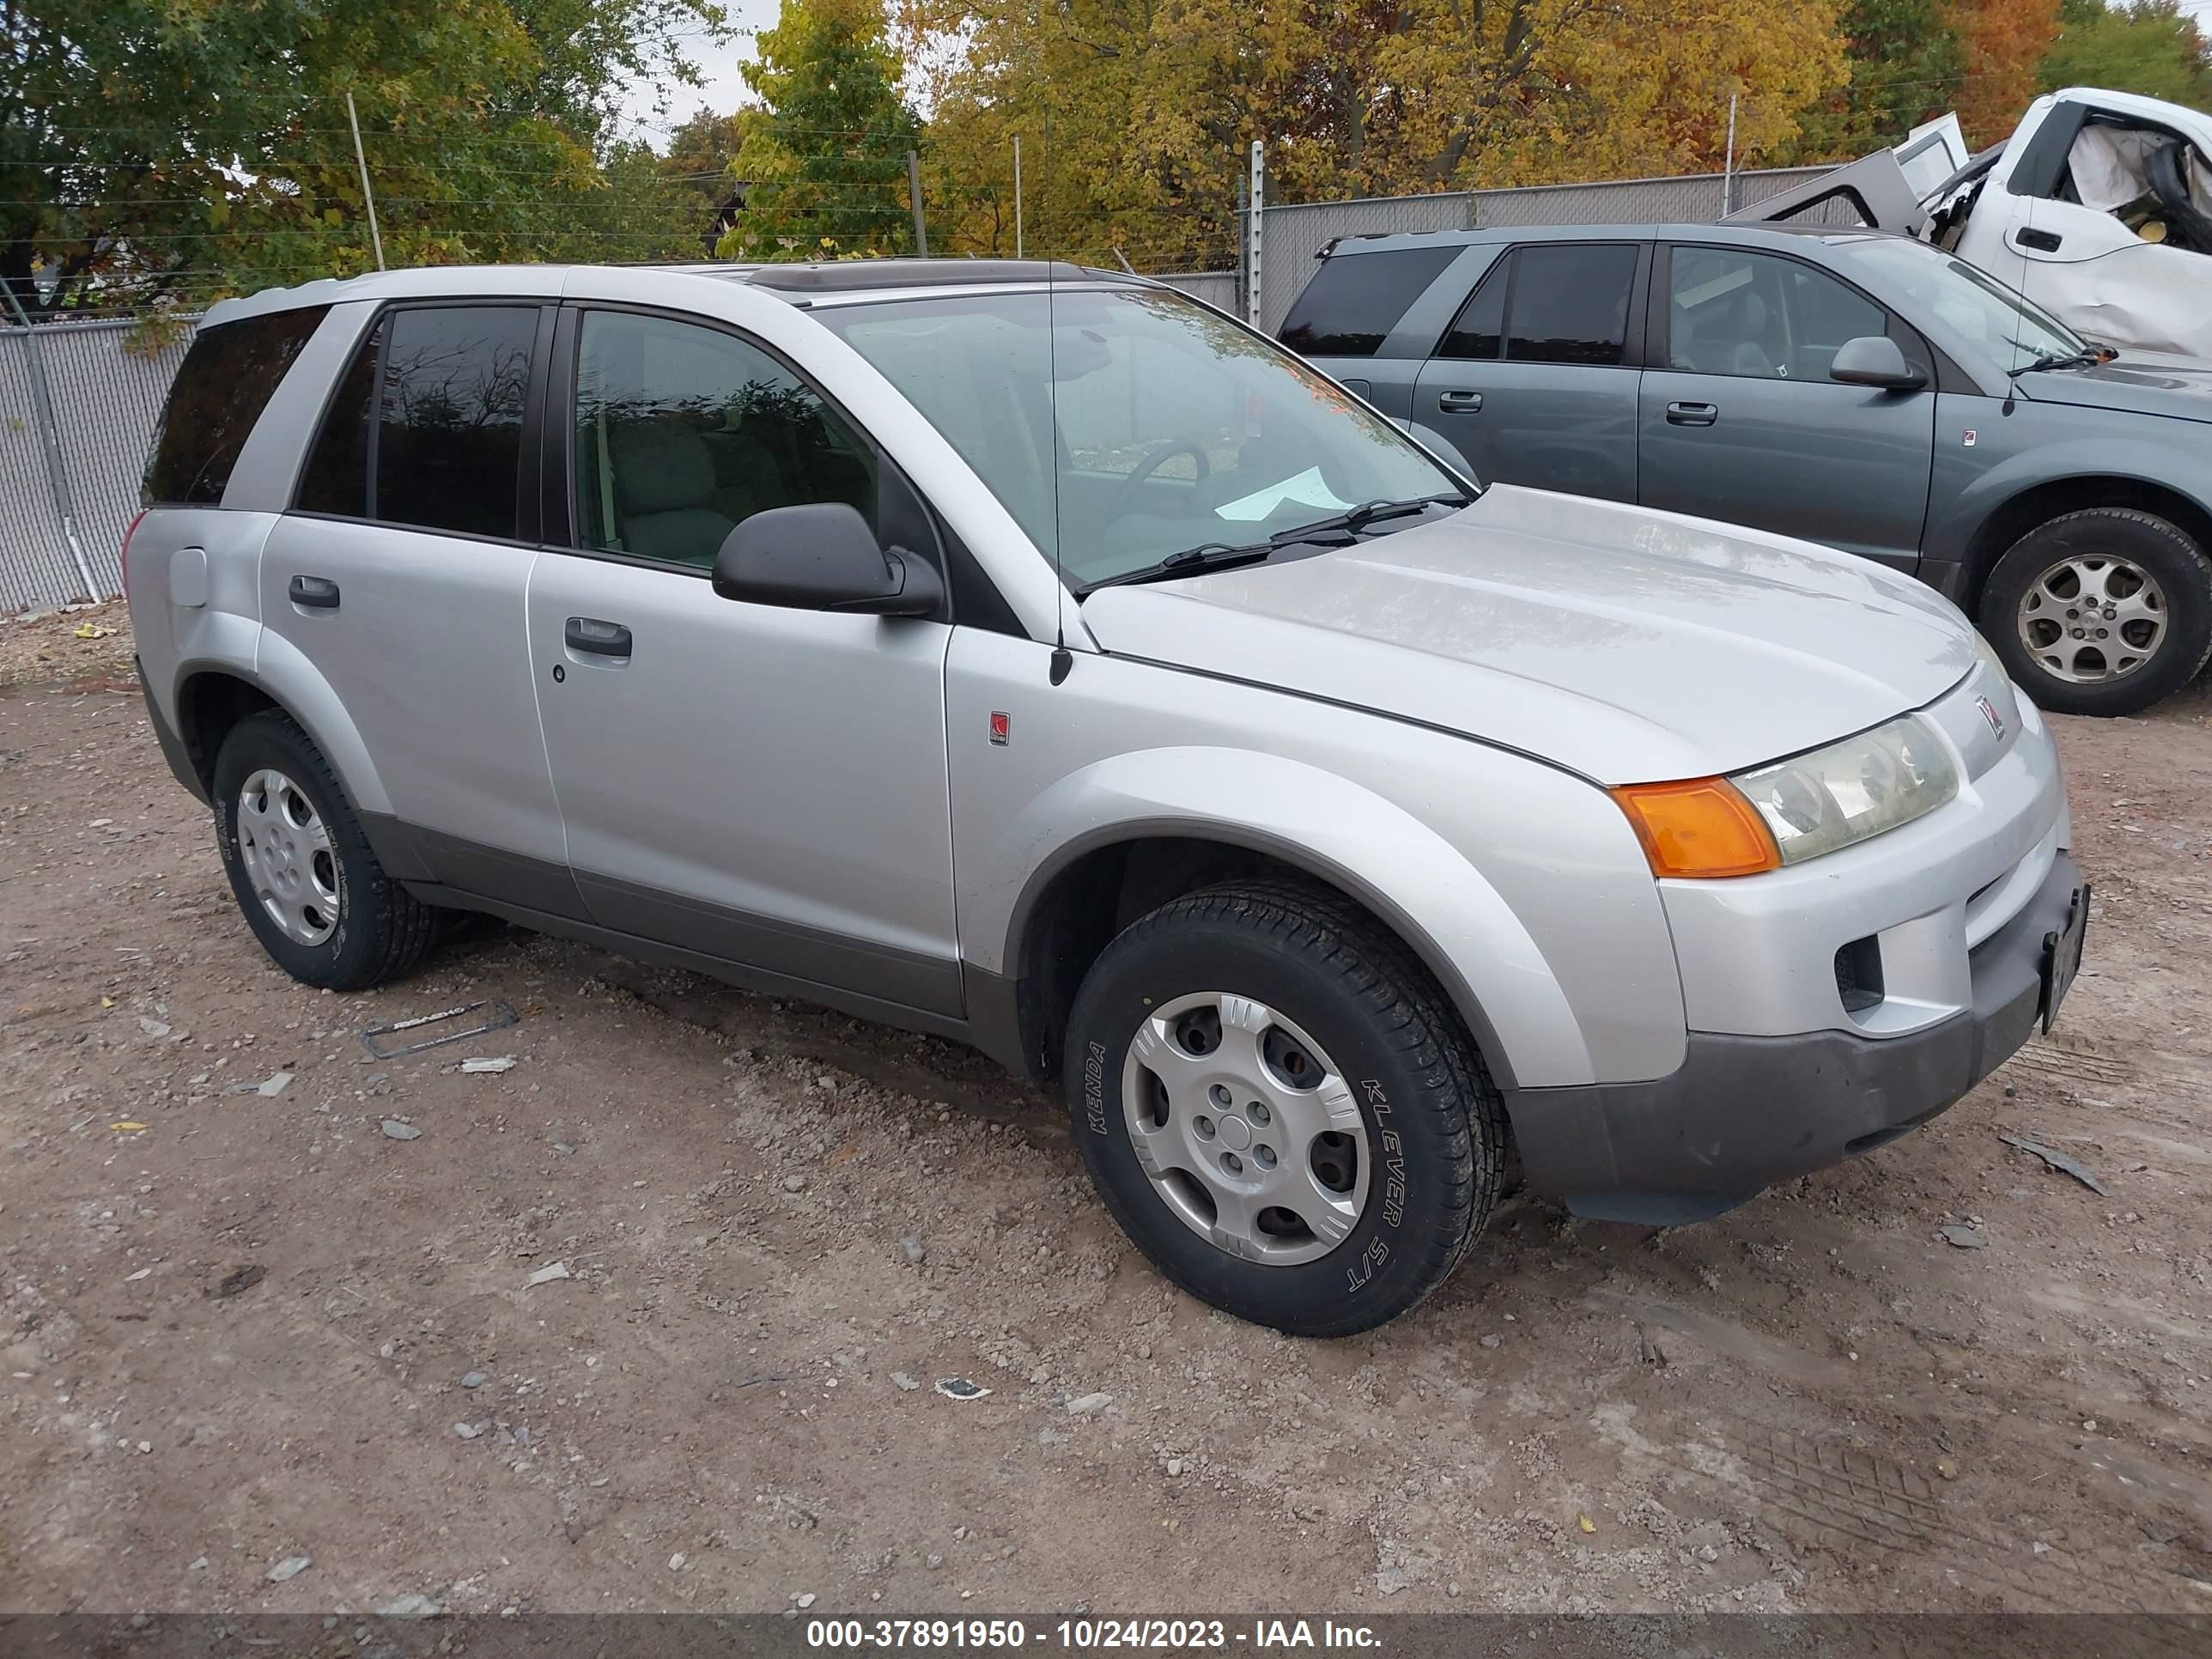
1459 403
595 638
1693 414
2043 241
315 592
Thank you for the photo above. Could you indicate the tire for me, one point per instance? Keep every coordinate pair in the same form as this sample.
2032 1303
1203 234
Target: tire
1299 982
2160 574
355 926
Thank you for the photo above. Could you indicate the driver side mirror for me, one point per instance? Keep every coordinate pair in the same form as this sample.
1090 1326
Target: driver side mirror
1874 360
823 556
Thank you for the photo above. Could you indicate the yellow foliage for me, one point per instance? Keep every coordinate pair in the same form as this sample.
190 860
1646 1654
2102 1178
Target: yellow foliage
1134 115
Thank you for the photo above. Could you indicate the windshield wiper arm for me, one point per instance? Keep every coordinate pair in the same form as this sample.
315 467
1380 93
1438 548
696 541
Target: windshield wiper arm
1191 561
1355 519
2087 357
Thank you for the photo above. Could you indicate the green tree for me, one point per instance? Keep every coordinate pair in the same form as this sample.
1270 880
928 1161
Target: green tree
2152 47
825 163
170 151
1906 65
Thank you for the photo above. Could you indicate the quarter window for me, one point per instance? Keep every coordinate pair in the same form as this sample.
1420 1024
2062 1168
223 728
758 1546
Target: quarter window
1733 311
224 383
1355 300
682 432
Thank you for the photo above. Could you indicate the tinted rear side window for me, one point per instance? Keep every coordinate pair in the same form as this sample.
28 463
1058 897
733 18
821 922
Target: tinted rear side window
1570 301
224 383
336 478
1479 331
449 417
1355 300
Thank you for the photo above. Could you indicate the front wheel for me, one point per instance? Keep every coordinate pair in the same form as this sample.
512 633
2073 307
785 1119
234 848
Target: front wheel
2103 611
1281 1108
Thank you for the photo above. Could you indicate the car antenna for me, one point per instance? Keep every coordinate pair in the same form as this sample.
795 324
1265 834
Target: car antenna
1063 660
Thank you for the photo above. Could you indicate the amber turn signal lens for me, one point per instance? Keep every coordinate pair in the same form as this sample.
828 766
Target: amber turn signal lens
1703 827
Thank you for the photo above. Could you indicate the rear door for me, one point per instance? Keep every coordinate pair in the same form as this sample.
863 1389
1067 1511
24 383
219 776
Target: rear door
1738 420
401 570
1534 382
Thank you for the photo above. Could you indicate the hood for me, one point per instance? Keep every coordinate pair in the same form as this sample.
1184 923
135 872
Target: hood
2138 382
1628 645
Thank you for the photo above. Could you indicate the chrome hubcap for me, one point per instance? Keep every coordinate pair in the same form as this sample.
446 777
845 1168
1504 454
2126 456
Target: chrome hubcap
2090 618
286 849
1250 1133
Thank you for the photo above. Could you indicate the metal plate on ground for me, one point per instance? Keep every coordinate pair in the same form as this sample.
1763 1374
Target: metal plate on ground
435 1030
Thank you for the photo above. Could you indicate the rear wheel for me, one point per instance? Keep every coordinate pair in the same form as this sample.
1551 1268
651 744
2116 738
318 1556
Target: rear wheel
2102 611
1278 1106
300 868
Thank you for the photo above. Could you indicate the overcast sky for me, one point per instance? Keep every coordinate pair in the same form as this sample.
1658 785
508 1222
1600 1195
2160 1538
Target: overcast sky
725 90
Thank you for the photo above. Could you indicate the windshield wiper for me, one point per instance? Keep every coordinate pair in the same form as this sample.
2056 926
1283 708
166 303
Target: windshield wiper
1220 556
2087 357
1191 561
1352 520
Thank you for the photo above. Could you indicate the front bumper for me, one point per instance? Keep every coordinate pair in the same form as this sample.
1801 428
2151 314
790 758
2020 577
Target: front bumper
1744 1112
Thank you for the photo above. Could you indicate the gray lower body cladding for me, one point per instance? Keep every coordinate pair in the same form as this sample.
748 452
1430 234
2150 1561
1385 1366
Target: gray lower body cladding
1744 1112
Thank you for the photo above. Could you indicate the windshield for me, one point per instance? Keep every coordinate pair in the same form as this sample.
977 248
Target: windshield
1172 428
1975 305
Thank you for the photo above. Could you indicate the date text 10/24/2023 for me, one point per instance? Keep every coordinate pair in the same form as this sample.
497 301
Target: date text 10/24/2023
1087 1634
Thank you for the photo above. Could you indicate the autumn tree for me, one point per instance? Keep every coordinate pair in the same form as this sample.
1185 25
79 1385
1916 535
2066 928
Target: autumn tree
2152 47
1905 64
824 161
1135 113
2001 45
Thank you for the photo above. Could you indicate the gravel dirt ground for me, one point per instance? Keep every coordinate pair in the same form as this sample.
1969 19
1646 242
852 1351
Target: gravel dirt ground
240 1324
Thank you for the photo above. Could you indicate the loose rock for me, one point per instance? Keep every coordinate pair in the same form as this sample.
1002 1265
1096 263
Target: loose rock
794 1183
913 1250
475 1380
1089 1404
289 1568
395 1130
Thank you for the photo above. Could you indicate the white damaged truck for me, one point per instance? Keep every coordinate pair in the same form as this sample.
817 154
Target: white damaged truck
2098 208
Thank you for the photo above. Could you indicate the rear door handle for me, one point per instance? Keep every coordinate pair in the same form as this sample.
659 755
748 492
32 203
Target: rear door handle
595 638
1693 414
1459 402
2043 241
315 592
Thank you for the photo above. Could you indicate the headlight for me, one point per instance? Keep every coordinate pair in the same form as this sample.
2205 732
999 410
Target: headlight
1852 790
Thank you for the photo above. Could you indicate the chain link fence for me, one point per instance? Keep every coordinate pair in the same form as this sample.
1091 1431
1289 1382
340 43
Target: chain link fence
78 405
79 401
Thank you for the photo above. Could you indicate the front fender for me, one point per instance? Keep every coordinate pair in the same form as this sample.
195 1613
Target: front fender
1338 831
2147 455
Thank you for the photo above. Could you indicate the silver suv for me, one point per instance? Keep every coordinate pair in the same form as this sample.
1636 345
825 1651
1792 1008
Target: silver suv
1035 657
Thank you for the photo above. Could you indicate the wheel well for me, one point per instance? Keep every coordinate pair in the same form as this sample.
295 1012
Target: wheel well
209 706
1100 893
2031 508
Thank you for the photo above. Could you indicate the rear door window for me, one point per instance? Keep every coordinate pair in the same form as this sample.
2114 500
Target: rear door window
1355 300
448 432
337 477
1570 301
1477 333
224 383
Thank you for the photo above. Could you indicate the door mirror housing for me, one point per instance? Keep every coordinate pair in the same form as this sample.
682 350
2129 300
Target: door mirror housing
1874 360
823 556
